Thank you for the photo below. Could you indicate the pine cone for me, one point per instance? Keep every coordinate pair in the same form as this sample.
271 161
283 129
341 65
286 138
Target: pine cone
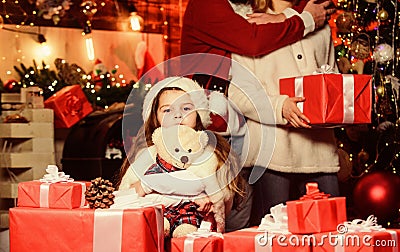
100 193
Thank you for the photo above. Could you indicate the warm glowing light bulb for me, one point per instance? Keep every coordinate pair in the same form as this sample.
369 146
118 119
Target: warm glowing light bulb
136 22
87 35
380 90
89 47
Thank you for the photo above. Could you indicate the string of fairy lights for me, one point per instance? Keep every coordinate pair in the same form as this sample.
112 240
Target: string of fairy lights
367 32
55 10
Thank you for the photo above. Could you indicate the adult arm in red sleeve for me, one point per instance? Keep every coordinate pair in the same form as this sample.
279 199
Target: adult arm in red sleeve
214 23
299 7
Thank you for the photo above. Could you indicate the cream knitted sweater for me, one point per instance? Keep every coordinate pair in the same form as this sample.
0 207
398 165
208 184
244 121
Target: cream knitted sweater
279 147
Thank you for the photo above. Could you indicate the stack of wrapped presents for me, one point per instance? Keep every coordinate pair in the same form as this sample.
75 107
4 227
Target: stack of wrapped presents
54 215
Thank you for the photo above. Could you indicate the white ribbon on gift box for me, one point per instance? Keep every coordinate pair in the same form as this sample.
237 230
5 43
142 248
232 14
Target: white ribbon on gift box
204 231
324 69
54 176
348 96
107 229
275 222
368 225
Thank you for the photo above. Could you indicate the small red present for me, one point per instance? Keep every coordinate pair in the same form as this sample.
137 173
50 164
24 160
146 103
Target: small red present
332 98
65 195
70 105
84 229
375 241
315 212
250 239
193 243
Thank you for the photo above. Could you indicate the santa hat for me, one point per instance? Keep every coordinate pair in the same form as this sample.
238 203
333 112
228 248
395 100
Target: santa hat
197 95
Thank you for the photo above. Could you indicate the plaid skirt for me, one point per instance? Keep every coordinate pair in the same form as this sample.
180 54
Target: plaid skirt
185 212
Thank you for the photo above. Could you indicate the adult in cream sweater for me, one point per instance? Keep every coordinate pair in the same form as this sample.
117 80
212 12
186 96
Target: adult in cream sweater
298 153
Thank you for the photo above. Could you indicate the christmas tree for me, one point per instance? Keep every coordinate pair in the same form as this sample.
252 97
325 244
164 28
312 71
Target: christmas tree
103 88
366 39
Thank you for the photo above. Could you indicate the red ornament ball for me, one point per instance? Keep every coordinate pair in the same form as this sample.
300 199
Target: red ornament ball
377 193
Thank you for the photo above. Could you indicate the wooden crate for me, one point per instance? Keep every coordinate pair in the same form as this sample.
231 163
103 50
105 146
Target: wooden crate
8 190
4 219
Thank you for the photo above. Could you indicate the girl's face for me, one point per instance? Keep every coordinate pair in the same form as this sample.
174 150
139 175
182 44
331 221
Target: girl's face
176 107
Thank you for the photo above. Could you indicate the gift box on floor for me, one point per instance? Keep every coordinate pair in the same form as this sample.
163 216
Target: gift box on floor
70 105
65 195
382 241
250 239
315 212
332 98
193 244
84 229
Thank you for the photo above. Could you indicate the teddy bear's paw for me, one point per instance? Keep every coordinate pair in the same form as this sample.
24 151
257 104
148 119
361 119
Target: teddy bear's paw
167 228
183 230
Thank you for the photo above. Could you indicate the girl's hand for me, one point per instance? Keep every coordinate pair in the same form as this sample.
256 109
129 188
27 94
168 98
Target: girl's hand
205 205
292 113
264 18
139 189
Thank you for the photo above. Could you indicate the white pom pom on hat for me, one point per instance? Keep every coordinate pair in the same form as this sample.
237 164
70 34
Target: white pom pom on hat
197 95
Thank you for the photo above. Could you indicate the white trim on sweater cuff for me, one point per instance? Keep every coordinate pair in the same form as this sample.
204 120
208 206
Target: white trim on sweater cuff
309 23
308 20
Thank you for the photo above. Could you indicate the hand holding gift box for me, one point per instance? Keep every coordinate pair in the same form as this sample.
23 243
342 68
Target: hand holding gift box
315 212
332 98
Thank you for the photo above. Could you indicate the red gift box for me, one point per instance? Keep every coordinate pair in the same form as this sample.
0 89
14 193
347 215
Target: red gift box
65 195
315 212
203 244
376 241
332 98
70 105
84 229
249 239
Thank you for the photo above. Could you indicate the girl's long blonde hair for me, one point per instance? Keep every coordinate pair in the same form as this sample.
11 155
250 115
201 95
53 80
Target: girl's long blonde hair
261 6
222 150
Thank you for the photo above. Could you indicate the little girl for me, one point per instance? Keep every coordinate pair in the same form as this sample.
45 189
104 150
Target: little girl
178 100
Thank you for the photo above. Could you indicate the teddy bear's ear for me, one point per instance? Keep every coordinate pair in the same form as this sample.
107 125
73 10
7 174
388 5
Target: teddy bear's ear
203 138
156 136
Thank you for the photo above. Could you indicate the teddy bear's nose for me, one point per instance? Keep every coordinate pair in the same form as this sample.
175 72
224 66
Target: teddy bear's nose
184 159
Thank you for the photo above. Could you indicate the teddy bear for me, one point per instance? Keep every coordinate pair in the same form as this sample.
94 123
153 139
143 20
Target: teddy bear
185 148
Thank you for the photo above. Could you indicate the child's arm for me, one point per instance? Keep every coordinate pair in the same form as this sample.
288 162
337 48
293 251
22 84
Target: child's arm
136 170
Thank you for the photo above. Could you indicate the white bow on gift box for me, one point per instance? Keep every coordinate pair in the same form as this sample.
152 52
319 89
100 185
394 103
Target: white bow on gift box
204 231
276 221
359 225
54 176
324 69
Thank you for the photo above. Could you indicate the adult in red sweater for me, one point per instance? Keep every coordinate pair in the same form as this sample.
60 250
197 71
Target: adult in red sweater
211 26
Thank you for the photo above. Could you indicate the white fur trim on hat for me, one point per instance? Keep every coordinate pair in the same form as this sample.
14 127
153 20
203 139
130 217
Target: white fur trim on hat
197 95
